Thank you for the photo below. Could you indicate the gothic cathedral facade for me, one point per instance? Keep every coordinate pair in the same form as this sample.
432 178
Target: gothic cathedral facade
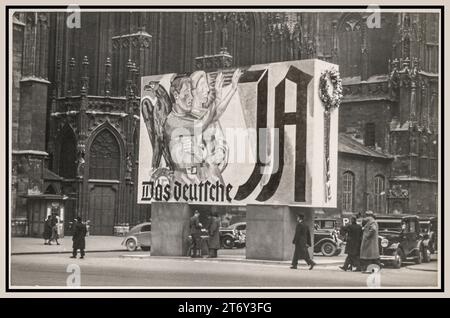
75 101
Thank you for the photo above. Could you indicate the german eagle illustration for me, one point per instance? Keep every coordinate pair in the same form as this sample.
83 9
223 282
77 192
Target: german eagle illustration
155 107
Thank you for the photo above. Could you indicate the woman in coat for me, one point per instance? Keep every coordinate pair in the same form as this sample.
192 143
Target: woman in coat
54 224
47 231
214 236
370 253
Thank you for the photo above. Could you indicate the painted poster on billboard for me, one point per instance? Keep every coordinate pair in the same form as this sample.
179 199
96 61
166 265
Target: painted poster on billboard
264 134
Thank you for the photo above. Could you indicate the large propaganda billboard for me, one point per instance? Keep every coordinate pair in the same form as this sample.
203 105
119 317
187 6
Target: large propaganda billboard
264 134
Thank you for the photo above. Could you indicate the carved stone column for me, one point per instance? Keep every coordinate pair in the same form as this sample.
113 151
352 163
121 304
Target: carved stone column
31 112
364 50
108 77
81 145
132 107
71 84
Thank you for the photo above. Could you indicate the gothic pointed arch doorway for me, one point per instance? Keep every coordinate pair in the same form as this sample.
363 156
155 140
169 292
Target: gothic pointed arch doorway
104 181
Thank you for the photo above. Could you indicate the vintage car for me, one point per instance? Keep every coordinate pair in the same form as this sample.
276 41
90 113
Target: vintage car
428 228
233 235
401 240
326 237
139 236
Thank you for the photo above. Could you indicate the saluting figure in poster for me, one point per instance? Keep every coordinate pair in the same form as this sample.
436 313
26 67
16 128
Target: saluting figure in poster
178 133
203 98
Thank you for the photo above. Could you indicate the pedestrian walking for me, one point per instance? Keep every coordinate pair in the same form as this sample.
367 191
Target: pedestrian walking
54 224
78 238
302 240
370 253
47 230
196 231
353 232
214 238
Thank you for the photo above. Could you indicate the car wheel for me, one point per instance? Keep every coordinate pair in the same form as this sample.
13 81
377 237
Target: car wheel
131 245
328 249
338 252
426 254
145 248
398 259
433 248
227 242
419 256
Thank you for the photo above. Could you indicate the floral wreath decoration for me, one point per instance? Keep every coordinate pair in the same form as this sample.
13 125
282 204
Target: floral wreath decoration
333 100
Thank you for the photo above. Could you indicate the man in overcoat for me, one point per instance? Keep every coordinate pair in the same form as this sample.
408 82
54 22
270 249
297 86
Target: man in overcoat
78 238
353 231
214 237
370 253
196 232
302 240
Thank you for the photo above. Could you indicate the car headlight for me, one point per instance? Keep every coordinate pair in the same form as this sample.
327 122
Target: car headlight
384 243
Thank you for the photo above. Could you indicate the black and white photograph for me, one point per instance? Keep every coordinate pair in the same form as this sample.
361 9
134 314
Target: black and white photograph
224 148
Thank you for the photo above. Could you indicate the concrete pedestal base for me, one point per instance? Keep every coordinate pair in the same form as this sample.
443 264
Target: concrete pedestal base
270 230
170 228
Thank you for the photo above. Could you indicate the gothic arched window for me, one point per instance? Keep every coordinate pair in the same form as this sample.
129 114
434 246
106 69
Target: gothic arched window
232 32
135 157
406 47
348 183
104 160
379 194
379 39
68 155
349 43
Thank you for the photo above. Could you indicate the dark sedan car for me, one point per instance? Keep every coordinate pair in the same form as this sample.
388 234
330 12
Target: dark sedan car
326 237
401 240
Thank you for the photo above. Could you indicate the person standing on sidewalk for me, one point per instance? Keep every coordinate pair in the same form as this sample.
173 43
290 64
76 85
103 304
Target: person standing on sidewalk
353 245
302 240
47 230
54 224
79 233
370 253
196 231
214 239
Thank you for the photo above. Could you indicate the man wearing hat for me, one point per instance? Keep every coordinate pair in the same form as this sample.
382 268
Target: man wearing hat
353 233
302 240
79 233
370 253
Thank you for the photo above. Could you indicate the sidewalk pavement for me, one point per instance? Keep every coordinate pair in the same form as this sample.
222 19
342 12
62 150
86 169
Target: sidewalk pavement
236 255
320 261
223 257
32 245
94 244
